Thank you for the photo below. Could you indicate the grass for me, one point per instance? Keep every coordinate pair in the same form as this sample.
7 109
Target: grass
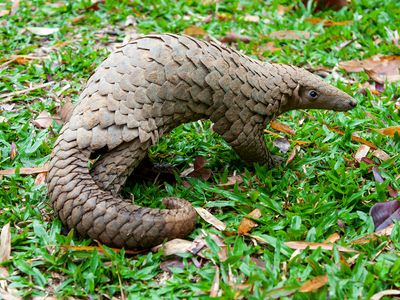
321 192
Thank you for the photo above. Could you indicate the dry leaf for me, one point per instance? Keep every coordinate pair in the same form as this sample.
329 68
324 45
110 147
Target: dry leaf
43 31
232 180
313 245
77 19
289 35
175 246
328 4
4 12
292 155
382 155
13 151
385 214
209 218
361 152
223 251
14 7
246 224
43 120
374 236
5 243
314 284
25 171
198 170
281 10
354 138
389 131
270 46
40 179
334 237
381 294
232 37
224 16
282 144
254 19
172 263
327 23
278 126
379 68
195 31
214 291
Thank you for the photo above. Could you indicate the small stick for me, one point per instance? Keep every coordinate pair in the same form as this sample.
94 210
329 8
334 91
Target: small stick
26 90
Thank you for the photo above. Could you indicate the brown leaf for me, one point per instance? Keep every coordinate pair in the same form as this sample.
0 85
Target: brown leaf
246 224
224 17
13 151
382 155
278 126
314 284
385 214
377 175
290 35
361 152
223 251
43 120
232 37
209 218
232 180
270 46
5 243
77 19
313 245
373 236
327 23
354 138
195 31
175 246
25 171
292 155
250 18
4 12
198 169
334 237
14 7
282 144
172 263
389 131
328 4
281 10
381 294
214 291
40 179
379 68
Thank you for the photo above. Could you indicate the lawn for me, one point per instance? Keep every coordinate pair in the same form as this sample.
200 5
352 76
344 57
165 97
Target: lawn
337 165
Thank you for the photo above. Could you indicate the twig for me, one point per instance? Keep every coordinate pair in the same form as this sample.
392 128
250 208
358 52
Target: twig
26 90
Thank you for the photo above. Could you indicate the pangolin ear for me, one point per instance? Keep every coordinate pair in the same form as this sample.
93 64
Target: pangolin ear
296 93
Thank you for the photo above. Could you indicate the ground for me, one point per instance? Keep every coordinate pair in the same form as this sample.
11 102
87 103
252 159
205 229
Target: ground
323 190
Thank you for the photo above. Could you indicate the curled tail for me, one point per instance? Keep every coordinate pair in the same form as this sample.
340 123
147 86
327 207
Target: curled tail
92 212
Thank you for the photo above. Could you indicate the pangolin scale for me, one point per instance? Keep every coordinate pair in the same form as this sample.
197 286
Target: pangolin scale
143 90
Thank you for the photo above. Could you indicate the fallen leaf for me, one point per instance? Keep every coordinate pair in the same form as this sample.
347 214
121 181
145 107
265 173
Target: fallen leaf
279 293
214 291
43 31
25 171
198 170
327 23
292 155
313 245
195 31
379 68
270 46
289 35
281 10
232 37
5 243
175 246
224 16
223 251
4 12
247 224
43 120
382 155
209 218
282 144
381 294
250 18
13 151
14 7
175 263
95 5
354 138
373 236
361 152
385 214
389 131
232 180
377 175
334 237
40 179
314 284
278 126
77 19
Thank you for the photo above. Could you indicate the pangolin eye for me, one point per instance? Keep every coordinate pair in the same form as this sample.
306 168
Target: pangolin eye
313 94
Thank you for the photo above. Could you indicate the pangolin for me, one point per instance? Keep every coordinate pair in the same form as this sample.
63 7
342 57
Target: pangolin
143 90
